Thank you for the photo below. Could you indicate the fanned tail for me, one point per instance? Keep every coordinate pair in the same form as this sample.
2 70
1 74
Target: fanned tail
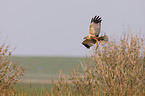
103 39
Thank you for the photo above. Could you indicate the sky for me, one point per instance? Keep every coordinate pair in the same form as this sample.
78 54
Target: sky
57 27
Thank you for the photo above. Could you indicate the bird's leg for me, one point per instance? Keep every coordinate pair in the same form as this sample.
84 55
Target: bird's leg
97 45
96 38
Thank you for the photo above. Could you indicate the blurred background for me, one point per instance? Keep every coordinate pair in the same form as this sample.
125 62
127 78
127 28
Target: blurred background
57 27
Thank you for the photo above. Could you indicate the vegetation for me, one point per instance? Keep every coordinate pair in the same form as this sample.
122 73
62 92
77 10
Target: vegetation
116 69
9 74
47 68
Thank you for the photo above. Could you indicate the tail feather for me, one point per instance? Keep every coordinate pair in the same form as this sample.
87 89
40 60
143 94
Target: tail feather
103 39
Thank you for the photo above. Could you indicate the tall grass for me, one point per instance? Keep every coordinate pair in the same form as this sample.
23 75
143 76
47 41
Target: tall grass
9 74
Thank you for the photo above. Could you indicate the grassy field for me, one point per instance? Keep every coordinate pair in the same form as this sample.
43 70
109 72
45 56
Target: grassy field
47 67
44 68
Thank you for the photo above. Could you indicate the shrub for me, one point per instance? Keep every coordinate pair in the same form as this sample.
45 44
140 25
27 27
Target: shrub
117 70
9 73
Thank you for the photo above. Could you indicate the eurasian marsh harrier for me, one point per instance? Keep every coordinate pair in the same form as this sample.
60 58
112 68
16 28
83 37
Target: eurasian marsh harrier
94 32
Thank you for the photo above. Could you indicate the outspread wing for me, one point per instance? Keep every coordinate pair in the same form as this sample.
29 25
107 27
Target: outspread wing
95 26
88 42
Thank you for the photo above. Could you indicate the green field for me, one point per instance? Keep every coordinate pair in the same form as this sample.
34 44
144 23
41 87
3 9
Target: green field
47 67
44 68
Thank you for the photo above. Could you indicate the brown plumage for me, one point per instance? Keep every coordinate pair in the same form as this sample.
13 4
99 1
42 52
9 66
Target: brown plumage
94 32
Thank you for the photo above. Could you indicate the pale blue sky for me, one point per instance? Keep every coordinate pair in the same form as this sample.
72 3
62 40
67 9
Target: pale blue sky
57 27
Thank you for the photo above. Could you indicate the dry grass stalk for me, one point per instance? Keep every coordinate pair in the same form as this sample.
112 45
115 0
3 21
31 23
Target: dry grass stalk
9 74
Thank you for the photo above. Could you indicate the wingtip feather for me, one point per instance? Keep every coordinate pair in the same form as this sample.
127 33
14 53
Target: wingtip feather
87 46
96 19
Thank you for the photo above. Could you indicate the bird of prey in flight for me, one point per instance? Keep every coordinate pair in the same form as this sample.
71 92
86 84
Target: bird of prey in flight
94 32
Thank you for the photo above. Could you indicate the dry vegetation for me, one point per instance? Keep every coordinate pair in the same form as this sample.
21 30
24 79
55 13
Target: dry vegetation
9 74
116 69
